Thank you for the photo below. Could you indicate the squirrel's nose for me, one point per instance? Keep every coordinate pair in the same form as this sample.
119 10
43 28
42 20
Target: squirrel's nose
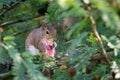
52 42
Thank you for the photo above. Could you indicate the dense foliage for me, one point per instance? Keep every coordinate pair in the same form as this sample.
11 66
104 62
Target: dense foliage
88 49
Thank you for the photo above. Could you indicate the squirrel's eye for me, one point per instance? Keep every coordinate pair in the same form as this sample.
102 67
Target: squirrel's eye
47 32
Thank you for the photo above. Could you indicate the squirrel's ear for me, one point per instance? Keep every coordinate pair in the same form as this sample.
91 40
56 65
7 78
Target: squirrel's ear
43 25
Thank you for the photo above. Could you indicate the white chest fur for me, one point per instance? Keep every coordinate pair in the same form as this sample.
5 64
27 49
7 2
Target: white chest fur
33 51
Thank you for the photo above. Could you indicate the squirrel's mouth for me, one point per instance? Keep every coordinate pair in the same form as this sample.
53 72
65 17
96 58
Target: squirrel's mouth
49 48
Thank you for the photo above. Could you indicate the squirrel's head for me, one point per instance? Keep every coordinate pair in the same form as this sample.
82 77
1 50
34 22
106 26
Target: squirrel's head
49 39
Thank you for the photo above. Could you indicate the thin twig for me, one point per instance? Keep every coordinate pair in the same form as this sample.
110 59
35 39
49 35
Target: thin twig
26 30
18 21
98 37
94 27
7 9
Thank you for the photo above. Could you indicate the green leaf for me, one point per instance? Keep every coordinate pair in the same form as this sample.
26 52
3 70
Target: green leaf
77 41
77 28
3 55
8 38
26 55
92 39
84 70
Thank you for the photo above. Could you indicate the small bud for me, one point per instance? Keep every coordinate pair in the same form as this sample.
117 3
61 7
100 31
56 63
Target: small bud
96 77
1 29
72 71
64 58
63 67
102 62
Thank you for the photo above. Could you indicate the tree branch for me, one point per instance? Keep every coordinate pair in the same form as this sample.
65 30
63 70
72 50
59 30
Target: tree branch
5 76
94 27
7 9
98 56
18 21
26 30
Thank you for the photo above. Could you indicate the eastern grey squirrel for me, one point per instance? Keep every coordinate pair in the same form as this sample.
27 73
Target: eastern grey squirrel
42 40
